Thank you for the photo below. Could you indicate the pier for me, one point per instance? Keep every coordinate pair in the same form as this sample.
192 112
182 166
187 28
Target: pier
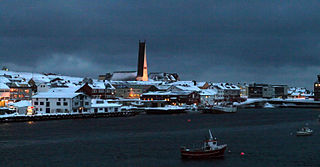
282 103
25 118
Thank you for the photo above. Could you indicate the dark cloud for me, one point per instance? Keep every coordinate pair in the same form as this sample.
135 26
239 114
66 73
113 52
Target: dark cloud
262 41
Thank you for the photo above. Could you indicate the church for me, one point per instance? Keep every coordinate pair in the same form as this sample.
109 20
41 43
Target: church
140 75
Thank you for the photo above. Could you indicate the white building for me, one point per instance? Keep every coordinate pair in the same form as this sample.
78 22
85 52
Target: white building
20 107
61 101
103 106
208 96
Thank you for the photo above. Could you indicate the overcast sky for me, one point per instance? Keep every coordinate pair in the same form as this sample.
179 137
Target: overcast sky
221 41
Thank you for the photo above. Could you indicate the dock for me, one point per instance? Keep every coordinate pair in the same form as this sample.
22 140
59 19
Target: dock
26 118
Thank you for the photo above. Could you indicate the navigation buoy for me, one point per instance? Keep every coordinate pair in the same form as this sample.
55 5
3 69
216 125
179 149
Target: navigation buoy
242 153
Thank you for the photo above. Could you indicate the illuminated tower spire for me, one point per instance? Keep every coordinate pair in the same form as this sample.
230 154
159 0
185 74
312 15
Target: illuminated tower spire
142 74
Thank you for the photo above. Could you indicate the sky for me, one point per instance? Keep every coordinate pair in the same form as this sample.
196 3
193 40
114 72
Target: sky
267 41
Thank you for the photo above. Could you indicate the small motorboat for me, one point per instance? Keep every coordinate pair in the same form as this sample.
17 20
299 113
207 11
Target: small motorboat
305 131
210 149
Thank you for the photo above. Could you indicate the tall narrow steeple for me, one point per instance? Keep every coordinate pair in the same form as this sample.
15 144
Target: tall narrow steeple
142 74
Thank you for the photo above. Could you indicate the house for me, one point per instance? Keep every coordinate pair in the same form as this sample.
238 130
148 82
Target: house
20 91
98 90
208 96
4 94
173 97
61 100
34 82
103 106
316 89
227 92
20 107
43 87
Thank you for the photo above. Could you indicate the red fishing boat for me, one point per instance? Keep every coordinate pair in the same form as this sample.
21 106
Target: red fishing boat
210 149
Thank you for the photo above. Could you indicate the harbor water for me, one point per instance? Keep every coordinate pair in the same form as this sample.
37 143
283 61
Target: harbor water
265 136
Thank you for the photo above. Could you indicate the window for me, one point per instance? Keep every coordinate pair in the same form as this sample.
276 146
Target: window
76 103
65 103
46 99
64 99
86 103
42 103
40 109
47 104
58 103
115 109
59 99
36 103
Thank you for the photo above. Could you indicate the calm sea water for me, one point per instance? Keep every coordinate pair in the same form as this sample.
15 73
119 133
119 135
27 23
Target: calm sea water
266 136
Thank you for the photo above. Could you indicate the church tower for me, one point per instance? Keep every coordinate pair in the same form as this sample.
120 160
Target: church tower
142 74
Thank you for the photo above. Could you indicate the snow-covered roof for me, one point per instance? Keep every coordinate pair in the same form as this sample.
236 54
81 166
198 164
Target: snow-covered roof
168 93
22 103
101 85
55 95
124 76
185 88
226 86
4 80
162 87
58 93
208 92
4 86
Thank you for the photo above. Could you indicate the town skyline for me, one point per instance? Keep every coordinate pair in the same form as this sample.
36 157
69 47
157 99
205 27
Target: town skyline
224 42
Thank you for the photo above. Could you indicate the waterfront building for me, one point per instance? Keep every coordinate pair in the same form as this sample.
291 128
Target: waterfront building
261 91
20 91
316 89
4 94
174 97
61 100
103 106
208 96
20 107
227 92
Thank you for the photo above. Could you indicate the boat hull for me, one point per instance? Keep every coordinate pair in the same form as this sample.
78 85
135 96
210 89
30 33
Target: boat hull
201 154
304 134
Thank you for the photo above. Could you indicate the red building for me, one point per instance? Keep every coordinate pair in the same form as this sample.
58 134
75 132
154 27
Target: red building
98 90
